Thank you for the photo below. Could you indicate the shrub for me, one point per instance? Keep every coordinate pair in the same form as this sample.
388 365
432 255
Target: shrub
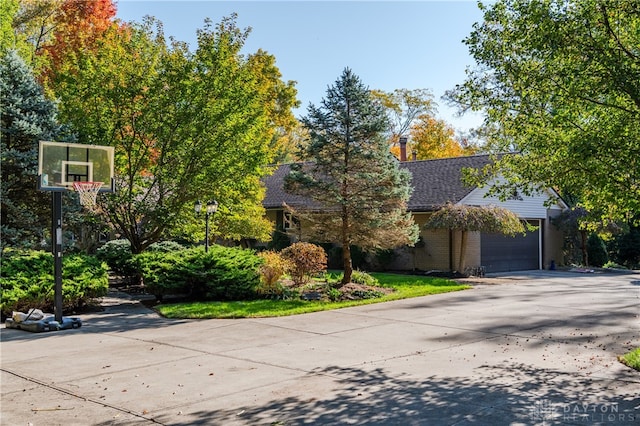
224 273
334 294
166 246
306 260
626 248
273 268
363 278
117 254
613 265
279 239
162 272
596 251
27 281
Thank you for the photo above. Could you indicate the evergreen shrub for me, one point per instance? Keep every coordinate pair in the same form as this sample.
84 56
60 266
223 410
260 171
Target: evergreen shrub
224 273
596 251
166 246
117 254
27 281
626 248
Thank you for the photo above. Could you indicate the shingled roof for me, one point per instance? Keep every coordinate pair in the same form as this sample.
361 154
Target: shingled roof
434 182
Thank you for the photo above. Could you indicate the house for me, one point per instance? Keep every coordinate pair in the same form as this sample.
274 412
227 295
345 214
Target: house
436 182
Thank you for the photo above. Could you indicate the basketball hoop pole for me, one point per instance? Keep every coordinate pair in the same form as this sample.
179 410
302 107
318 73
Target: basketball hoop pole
56 250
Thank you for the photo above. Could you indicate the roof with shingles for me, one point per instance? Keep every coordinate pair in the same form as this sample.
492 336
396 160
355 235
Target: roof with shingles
435 182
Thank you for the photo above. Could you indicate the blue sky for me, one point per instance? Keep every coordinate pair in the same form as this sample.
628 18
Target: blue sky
388 44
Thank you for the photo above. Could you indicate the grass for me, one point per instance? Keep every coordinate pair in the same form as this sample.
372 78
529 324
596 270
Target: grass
405 286
632 359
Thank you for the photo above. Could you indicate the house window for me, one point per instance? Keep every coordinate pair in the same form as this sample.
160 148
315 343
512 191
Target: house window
289 221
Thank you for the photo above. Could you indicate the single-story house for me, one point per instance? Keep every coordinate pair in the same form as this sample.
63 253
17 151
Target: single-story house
436 182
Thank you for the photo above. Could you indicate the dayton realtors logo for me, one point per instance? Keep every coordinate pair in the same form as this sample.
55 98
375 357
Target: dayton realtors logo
583 412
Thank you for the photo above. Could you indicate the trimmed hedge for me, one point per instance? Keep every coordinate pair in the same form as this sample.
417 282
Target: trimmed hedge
27 281
117 254
224 273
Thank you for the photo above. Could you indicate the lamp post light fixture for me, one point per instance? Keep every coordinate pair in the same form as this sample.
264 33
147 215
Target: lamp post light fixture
212 208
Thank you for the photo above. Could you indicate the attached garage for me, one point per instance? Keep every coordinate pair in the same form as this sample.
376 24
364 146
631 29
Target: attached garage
499 253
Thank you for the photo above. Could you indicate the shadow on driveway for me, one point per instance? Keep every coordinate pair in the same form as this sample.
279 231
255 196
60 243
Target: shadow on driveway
373 397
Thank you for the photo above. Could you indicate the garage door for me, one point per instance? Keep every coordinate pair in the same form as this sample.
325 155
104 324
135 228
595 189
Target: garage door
500 253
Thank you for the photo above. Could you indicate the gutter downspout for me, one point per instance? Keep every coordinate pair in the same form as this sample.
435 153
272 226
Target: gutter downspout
451 250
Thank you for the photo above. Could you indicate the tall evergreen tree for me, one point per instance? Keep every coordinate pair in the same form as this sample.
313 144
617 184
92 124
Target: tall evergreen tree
357 183
27 117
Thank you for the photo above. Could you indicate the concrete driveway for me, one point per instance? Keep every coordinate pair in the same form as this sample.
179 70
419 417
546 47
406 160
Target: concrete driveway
534 348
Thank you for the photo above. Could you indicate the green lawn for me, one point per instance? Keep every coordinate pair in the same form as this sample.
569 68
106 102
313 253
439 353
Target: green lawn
406 286
632 359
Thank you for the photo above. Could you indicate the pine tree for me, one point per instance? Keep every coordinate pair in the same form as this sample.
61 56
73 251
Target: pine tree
27 117
349 172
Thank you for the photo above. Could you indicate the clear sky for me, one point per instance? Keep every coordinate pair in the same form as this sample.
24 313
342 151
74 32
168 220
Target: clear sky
388 44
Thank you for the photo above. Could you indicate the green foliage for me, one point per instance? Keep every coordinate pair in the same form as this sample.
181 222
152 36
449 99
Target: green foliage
559 82
359 191
117 254
491 219
626 248
306 260
221 274
596 250
361 277
155 102
27 117
27 281
334 294
613 265
631 359
279 239
166 246
12 26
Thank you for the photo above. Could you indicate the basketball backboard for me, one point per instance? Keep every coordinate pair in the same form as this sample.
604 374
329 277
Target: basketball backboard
60 164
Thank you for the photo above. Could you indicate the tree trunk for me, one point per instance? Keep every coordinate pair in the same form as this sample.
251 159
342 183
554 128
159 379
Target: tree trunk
583 248
463 250
346 248
346 262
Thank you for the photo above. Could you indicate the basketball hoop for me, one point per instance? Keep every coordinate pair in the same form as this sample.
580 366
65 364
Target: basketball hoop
88 192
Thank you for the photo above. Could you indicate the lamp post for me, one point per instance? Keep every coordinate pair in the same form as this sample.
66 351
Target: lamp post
212 208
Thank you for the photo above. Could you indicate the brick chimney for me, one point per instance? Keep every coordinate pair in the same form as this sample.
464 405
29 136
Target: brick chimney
403 148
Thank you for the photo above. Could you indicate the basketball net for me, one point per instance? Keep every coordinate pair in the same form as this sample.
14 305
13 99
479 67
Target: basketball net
88 192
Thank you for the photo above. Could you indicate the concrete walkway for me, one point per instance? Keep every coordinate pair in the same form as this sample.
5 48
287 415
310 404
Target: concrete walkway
536 348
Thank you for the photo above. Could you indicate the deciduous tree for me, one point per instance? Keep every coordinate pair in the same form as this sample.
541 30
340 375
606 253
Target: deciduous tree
403 107
463 218
434 138
185 126
559 82
77 25
27 26
350 173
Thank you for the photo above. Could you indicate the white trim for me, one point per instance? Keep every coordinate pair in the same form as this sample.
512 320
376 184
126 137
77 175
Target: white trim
289 221
65 163
540 244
